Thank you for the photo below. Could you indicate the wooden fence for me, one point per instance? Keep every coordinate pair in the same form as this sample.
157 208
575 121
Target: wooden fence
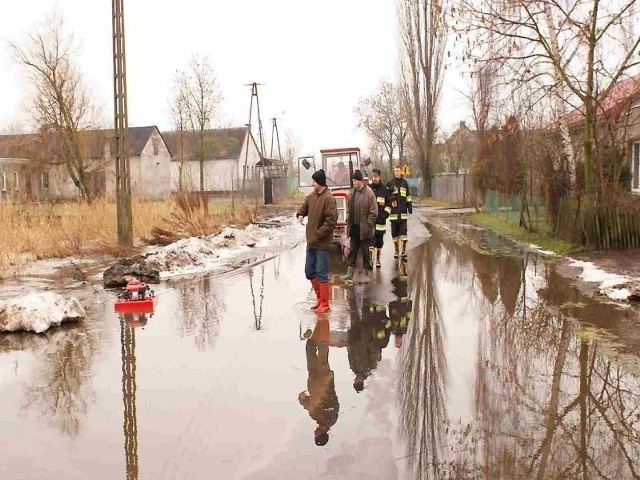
603 228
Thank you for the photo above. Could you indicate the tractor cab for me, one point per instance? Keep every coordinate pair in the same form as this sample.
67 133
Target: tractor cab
339 165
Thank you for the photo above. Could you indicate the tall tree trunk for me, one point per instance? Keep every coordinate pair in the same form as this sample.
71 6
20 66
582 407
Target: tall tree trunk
559 101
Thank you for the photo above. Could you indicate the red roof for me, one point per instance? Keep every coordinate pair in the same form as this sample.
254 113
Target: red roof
624 91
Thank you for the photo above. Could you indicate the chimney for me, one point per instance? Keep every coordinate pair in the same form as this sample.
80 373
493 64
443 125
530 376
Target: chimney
463 124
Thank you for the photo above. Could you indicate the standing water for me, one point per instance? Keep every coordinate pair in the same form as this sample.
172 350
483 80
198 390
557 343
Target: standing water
457 364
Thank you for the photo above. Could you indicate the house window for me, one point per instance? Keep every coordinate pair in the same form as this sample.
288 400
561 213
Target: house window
3 177
635 165
156 147
45 180
15 181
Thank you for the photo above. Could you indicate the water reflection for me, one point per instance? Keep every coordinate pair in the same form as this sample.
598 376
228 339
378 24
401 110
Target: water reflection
257 302
550 401
422 366
129 387
366 337
320 398
60 389
202 307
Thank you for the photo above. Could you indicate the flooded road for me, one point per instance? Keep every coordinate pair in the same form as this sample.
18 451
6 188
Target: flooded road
459 364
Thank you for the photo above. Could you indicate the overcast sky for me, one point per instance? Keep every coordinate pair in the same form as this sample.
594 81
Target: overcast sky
315 59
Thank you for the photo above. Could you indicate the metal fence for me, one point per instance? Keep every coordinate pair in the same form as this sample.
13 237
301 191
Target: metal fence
453 189
510 207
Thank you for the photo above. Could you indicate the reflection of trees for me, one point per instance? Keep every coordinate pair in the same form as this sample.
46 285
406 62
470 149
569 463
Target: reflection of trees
202 306
533 371
548 403
129 387
60 389
423 370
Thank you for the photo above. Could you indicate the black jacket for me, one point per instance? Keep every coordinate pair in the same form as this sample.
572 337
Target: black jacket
401 204
383 199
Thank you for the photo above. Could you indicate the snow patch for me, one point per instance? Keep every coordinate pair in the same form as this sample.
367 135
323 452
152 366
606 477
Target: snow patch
202 254
537 249
37 312
607 281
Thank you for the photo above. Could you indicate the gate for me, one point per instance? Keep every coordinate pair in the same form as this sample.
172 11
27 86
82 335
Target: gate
268 191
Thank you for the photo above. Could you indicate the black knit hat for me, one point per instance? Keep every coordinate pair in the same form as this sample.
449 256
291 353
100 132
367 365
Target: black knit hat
320 177
357 175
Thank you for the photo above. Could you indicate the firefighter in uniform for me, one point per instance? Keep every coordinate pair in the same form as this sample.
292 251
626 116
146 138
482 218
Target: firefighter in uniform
401 208
400 309
383 200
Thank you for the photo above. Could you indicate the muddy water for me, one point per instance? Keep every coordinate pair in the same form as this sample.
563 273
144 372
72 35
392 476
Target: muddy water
458 365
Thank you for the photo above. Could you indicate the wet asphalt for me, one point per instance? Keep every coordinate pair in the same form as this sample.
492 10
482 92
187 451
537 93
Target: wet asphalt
458 363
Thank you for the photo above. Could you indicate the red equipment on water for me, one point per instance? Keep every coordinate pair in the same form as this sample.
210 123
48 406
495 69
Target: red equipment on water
136 298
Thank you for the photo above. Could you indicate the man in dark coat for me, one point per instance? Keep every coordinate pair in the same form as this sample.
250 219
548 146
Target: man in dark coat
322 212
361 220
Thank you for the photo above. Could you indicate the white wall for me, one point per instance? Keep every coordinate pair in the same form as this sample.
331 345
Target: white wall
150 173
219 175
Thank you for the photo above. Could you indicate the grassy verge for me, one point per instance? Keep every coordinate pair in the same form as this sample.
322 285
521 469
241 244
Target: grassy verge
40 231
429 202
510 228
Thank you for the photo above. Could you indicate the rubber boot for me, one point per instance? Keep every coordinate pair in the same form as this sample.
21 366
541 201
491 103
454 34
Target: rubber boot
316 288
349 275
396 246
365 276
324 298
378 255
372 254
404 249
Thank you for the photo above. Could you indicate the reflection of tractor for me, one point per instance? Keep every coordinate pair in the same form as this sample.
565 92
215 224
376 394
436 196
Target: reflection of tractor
339 165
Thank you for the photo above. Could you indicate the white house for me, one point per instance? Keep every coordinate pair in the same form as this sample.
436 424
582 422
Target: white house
49 179
226 153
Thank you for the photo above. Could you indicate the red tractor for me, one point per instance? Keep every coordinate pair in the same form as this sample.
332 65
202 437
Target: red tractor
339 165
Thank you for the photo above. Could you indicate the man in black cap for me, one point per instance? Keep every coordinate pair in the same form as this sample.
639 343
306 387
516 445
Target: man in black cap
361 221
322 212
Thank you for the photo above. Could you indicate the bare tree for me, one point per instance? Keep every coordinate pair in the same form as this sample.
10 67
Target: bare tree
196 102
179 109
576 51
61 105
423 38
380 116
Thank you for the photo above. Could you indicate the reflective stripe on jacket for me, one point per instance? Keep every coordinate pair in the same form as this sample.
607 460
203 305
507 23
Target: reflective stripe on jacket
400 195
383 199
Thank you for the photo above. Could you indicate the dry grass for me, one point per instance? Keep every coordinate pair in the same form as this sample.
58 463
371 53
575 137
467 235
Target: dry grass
39 231
192 218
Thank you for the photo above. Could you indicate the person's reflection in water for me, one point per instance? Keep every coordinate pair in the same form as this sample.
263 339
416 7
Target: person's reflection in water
400 309
320 398
368 335
362 348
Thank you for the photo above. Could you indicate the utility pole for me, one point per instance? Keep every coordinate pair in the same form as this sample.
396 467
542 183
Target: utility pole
274 129
254 94
121 128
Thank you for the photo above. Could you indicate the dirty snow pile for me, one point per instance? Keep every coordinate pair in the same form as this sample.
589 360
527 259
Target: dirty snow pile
610 284
199 254
540 251
37 312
